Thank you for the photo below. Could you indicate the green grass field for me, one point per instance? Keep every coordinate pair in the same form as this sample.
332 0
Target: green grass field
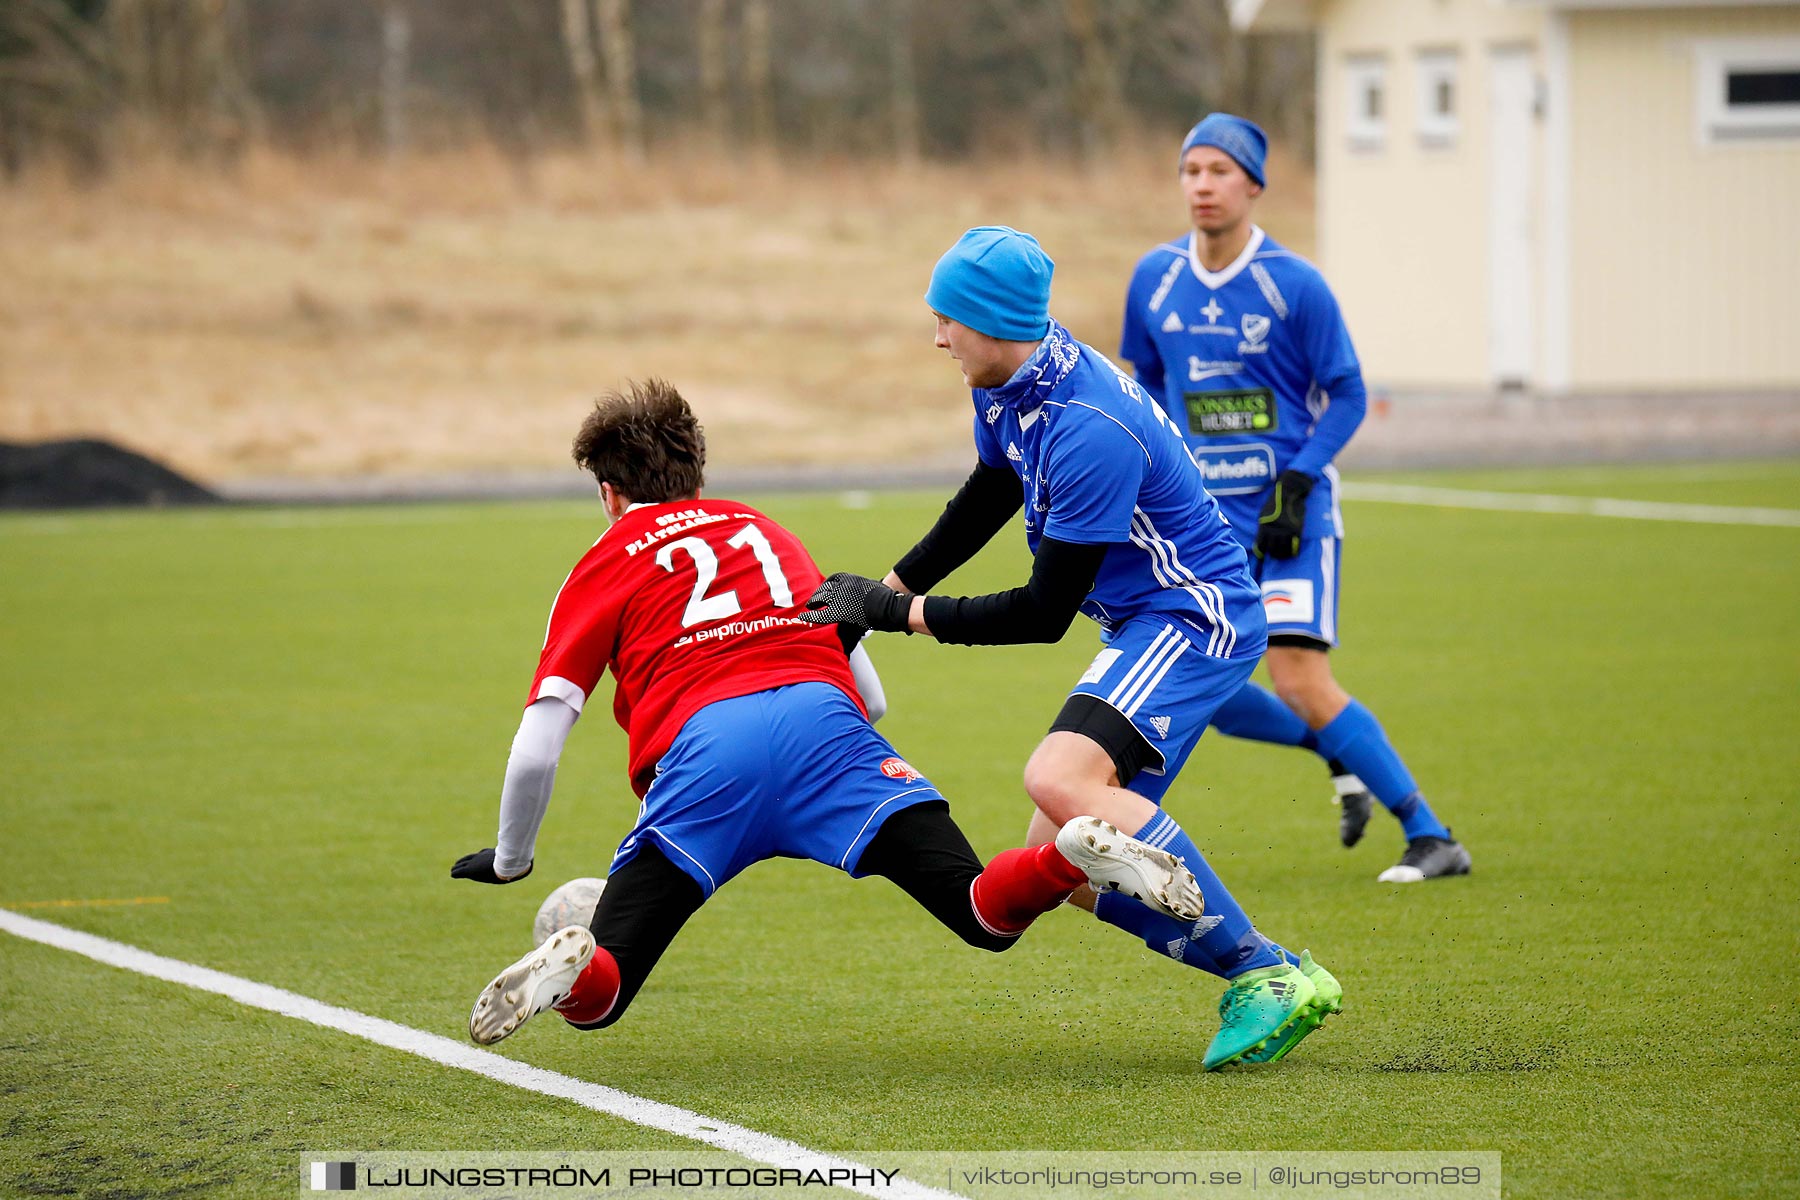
288 723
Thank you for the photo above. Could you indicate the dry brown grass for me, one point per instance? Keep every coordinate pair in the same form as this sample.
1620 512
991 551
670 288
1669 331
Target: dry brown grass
330 316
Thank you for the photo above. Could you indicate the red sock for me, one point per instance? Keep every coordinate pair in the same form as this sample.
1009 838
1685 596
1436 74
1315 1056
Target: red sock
595 992
1021 885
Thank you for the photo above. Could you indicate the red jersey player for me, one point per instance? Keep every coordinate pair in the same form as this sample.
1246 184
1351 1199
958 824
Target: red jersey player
749 739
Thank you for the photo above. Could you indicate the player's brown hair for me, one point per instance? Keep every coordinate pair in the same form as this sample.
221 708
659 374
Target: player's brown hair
645 441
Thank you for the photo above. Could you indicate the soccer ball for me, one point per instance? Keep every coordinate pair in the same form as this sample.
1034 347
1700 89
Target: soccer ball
571 904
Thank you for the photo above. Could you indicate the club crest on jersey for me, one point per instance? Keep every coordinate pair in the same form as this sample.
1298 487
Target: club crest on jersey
899 768
1256 328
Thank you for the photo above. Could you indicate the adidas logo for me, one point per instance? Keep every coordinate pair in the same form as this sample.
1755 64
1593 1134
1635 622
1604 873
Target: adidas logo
1206 925
1161 725
1012 452
1174 948
1173 323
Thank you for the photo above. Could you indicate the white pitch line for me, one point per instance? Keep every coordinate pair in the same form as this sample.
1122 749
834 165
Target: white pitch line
652 1114
1579 506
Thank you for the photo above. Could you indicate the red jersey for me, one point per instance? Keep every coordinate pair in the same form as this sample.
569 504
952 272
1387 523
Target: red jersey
687 602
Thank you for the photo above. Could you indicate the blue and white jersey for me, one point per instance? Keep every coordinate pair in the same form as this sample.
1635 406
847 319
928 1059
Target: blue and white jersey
1102 464
1256 367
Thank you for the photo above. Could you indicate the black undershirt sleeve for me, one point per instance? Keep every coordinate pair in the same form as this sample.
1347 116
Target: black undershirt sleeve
1062 575
983 505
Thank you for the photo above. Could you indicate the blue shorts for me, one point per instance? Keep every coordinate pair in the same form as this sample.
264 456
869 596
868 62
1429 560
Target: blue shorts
1300 594
1161 679
793 772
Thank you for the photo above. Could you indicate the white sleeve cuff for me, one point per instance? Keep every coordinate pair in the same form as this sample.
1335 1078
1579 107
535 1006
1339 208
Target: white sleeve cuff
555 687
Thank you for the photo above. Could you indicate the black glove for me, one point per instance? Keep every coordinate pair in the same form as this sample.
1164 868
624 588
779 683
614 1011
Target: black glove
479 866
845 599
1283 517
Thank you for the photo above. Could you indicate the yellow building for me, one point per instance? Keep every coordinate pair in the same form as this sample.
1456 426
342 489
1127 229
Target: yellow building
1592 196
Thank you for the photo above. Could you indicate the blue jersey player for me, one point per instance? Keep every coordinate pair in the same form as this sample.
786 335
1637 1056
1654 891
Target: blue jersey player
1245 346
1121 529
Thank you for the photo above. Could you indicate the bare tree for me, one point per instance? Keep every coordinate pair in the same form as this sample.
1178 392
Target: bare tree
57 85
178 75
903 95
584 67
84 77
396 63
620 52
715 116
1098 95
758 77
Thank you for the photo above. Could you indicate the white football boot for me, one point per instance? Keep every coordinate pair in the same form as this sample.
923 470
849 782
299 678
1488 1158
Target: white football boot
1115 862
531 985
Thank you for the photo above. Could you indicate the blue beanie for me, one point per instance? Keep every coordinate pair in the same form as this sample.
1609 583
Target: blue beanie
1244 140
996 281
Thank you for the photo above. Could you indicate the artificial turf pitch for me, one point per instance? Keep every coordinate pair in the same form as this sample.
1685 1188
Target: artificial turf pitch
289 722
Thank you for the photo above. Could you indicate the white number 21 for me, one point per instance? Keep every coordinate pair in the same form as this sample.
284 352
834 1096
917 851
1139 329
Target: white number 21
703 609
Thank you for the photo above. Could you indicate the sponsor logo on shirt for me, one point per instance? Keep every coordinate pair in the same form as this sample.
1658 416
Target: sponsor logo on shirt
993 412
1200 369
1012 452
1212 312
899 768
1173 323
1216 414
1256 328
1236 470
731 629
1288 601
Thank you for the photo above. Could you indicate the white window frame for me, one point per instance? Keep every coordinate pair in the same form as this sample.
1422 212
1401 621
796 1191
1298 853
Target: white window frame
1363 73
1724 124
1432 68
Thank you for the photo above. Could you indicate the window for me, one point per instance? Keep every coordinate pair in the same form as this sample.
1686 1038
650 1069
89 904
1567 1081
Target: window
1367 120
1438 98
1748 90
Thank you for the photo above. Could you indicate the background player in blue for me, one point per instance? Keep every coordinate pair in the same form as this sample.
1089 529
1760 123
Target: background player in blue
1121 528
1244 344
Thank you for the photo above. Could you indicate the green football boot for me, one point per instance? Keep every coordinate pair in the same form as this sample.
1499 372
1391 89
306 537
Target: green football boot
1257 1008
1330 999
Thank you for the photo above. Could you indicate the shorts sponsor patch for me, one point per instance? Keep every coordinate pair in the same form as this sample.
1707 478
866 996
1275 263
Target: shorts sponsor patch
1236 470
1097 669
899 768
1288 601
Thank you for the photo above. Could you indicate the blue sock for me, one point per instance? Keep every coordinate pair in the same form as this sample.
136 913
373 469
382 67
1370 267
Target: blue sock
1222 943
1256 713
1356 739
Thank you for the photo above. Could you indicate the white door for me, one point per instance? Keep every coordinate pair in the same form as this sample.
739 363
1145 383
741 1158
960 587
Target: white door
1512 92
